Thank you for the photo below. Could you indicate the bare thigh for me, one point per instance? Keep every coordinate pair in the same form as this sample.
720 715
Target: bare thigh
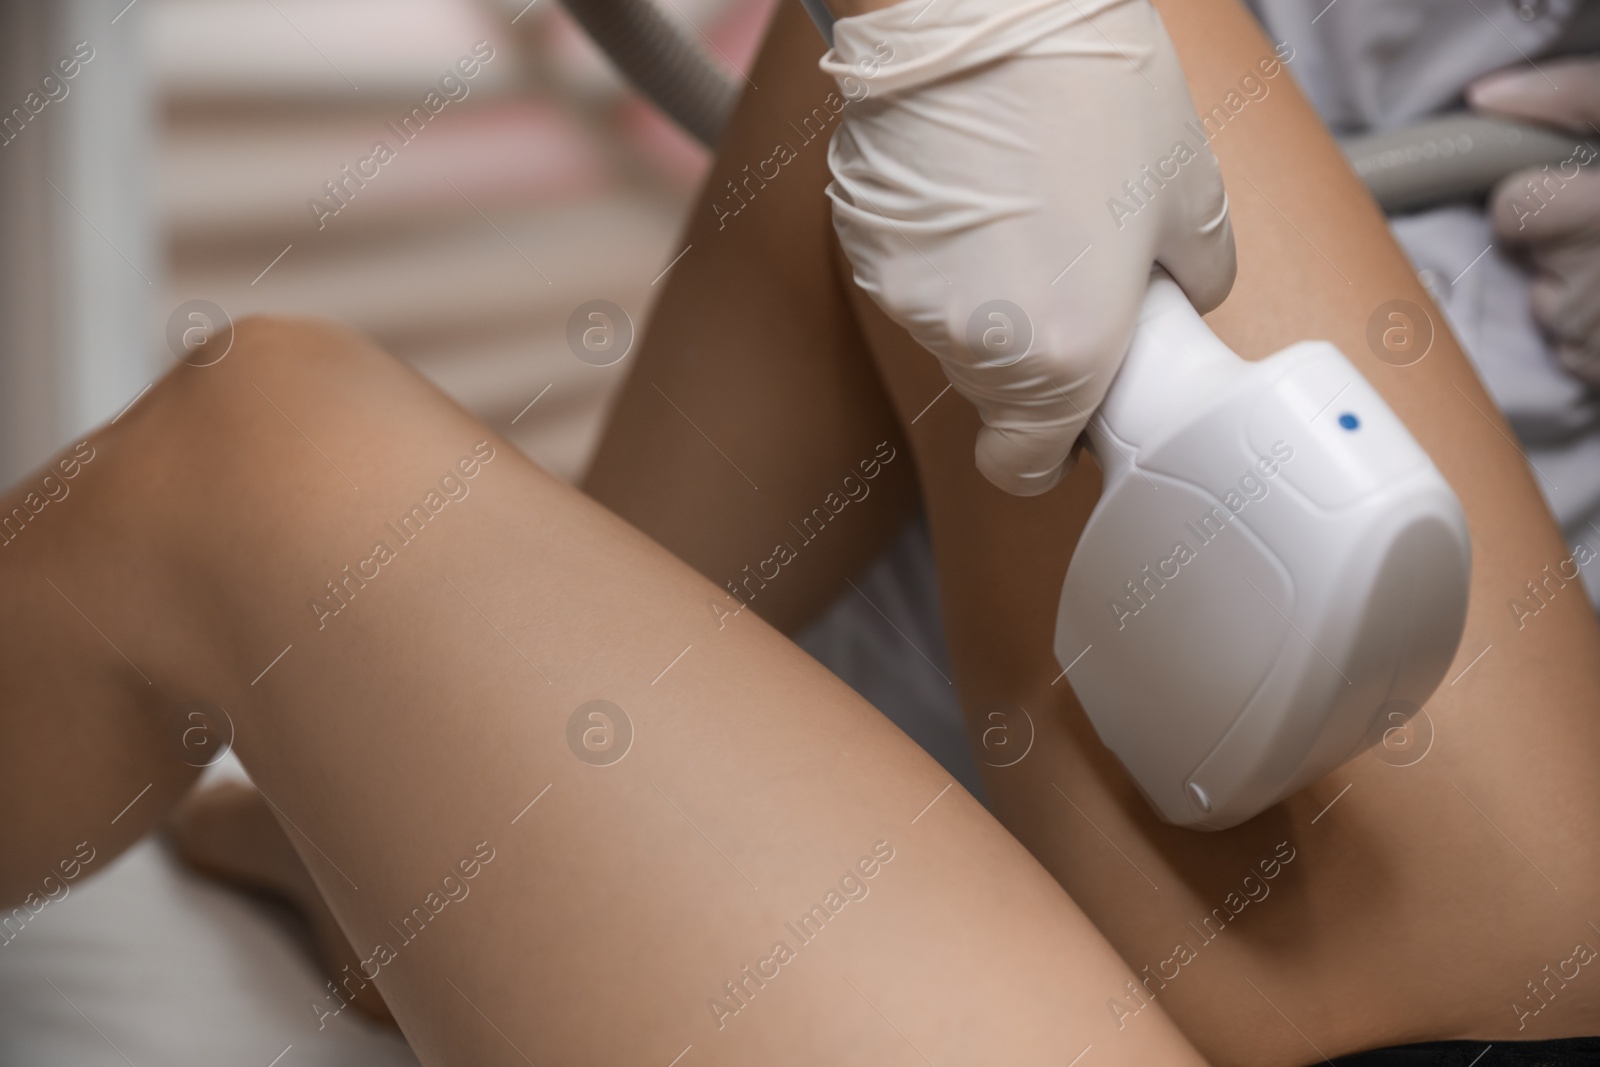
753 438
569 803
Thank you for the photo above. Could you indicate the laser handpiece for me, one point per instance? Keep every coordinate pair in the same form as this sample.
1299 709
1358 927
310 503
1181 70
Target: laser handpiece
1275 572
1321 588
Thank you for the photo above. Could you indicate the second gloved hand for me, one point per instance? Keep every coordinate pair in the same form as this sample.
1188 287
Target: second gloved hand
1553 214
1002 190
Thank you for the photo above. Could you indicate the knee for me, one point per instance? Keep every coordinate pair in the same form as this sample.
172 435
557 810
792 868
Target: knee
283 348
265 376
262 356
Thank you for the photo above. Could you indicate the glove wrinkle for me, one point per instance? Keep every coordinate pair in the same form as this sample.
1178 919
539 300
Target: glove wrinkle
962 35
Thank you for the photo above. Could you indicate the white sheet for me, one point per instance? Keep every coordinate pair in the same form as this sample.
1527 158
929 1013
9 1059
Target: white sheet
148 964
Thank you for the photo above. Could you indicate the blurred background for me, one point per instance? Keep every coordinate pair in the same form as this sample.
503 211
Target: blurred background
181 162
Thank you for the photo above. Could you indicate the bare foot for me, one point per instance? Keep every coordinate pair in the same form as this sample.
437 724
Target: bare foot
229 833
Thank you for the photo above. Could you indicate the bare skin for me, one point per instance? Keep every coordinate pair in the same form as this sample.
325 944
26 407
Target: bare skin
424 731
809 387
754 342
1427 898
827 414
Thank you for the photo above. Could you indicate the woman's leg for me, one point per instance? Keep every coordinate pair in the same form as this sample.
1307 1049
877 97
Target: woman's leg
752 366
572 804
754 372
1440 899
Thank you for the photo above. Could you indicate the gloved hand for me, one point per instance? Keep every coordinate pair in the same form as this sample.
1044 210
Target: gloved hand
1553 214
998 144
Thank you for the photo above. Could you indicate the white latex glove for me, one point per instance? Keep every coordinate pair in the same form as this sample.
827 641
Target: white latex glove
983 159
1553 214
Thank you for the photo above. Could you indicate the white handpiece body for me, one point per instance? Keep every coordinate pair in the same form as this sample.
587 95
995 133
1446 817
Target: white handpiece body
1276 573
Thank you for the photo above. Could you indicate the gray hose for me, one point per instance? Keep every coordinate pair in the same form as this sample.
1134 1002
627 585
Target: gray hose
1457 157
663 61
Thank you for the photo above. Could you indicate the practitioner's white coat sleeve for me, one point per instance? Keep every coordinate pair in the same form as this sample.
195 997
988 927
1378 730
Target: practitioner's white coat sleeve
1004 177
1553 214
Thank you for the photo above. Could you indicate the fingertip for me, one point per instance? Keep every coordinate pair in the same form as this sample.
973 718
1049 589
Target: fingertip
1504 90
1560 93
1021 464
1205 266
1025 484
1201 255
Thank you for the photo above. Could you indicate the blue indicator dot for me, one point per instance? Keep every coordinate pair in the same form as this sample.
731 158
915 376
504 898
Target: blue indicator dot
1349 421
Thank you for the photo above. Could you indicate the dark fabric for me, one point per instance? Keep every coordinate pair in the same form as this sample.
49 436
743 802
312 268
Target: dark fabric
1558 1053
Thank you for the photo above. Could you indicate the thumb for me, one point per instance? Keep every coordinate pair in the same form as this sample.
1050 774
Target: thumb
1564 94
1027 460
1198 248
